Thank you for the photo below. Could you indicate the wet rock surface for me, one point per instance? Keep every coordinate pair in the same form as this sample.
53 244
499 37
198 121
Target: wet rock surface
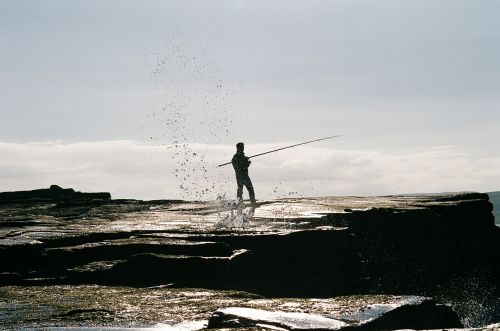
399 313
442 246
103 306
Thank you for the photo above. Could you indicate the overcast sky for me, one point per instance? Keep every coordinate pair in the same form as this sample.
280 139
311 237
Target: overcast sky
414 85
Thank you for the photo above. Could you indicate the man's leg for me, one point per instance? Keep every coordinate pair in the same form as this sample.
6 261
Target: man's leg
251 193
239 192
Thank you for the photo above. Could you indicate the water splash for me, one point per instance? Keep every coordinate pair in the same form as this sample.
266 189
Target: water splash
473 297
233 214
197 97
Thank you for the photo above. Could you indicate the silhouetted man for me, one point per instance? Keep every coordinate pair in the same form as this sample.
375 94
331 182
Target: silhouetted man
240 164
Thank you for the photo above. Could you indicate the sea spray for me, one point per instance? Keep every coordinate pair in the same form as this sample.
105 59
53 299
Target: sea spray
473 296
197 98
232 213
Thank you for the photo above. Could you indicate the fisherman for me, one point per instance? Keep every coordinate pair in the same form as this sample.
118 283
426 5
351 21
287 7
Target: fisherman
240 164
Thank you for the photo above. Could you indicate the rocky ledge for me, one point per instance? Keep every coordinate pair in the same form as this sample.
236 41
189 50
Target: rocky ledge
54 193
441 246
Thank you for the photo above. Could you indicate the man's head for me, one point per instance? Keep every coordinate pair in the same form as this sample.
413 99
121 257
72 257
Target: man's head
240 147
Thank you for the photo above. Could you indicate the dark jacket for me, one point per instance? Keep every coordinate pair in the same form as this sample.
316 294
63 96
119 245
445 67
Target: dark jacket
240 164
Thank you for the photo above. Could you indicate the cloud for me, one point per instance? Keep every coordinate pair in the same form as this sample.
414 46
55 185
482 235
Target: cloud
132 169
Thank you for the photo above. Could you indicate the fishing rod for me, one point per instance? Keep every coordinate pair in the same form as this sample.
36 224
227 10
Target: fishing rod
282 148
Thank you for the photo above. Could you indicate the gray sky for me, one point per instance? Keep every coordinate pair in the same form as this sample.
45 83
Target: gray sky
399 77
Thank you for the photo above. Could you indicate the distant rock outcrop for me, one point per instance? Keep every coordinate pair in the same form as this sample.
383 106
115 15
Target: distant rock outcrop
53 194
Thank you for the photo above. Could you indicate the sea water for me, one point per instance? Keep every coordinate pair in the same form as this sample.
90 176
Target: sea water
233 213
495 201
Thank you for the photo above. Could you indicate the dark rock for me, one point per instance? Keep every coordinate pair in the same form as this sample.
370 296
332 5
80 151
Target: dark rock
408 313
11 278
122 249
405 251
18 223
80 313
155 269
329 264
461 196
54 193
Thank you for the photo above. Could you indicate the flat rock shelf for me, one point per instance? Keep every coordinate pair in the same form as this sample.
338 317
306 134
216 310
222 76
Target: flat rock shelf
365 263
